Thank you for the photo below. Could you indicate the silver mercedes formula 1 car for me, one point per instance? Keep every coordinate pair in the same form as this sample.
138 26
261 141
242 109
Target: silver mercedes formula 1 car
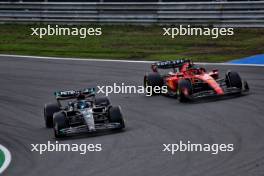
80 111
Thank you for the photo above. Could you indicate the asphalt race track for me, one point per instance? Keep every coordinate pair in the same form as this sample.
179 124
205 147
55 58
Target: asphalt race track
26 84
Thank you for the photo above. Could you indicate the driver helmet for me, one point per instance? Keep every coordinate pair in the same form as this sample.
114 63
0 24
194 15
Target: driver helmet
82 104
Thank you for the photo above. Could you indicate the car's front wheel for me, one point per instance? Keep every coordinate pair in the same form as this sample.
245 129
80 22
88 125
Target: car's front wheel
233 79
115 116
59 122
49 110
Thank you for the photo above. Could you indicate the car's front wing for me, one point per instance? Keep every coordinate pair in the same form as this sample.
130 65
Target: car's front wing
85 129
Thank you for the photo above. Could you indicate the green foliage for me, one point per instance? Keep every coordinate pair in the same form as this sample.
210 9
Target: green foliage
131 42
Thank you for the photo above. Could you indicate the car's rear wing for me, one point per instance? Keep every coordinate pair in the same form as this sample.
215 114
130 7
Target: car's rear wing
70 94
170 64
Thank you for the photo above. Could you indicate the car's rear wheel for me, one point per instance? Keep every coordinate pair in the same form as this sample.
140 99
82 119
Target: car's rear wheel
233 80
102 101
49 110
184 90
153 80
59 122
115 116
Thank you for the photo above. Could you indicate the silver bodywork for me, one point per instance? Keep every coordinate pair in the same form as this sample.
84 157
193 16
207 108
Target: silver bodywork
88 118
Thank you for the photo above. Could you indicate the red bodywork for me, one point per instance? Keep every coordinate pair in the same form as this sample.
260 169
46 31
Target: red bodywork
195 75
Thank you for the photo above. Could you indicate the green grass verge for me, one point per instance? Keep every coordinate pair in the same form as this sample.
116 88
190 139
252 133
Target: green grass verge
132 42
2 158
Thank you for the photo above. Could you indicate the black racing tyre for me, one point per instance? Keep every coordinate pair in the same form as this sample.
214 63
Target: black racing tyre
59 122
153 80
102 100
184 85
233 80
49 110
115 116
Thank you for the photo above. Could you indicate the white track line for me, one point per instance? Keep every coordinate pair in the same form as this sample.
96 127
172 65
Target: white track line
7 158
114 60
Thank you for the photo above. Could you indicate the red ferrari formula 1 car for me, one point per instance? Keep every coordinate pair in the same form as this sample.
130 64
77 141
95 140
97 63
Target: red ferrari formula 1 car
187 81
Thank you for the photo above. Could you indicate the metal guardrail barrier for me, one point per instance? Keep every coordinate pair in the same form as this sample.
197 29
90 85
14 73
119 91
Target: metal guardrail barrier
224 14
